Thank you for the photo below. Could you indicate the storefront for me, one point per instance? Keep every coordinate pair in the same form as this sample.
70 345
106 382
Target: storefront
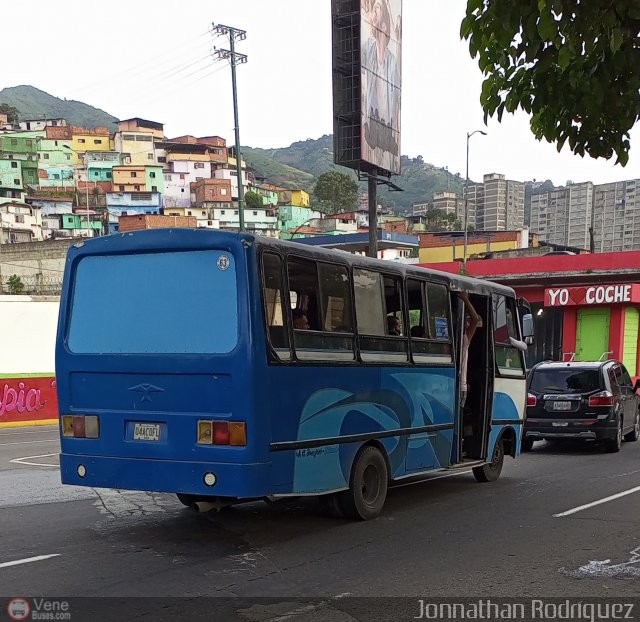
585 307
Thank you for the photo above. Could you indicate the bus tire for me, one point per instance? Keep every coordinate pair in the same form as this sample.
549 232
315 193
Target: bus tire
490 472
186 500
367 486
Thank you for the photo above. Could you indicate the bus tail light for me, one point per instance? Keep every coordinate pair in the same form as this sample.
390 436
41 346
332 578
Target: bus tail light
604 398
80 426
232 433
532 400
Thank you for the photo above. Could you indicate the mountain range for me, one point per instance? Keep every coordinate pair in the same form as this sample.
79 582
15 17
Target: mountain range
296 166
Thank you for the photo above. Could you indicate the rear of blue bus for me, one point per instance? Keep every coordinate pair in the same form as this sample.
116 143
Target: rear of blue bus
153 367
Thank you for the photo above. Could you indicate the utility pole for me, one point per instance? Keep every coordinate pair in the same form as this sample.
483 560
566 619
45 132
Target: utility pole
234 58
373 214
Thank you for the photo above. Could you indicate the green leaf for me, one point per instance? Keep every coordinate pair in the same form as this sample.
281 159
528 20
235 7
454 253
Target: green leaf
564 57
616 40
547 27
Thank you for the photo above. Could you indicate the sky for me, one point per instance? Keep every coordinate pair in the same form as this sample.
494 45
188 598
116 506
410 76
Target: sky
153 59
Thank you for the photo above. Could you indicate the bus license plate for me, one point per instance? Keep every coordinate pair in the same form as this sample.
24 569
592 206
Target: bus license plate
562 406
146 432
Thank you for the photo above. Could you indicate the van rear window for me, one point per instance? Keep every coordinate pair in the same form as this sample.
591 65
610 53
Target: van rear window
155 303
574 380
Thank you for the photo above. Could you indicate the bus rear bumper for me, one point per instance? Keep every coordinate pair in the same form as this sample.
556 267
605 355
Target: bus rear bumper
229 480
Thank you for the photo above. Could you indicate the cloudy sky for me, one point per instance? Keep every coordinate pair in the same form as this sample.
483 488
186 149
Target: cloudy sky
152 59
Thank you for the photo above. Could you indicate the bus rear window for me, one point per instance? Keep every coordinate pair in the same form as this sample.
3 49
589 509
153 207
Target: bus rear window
155 303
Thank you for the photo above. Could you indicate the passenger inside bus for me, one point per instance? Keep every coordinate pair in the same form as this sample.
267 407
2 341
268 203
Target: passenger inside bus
393 325
300 321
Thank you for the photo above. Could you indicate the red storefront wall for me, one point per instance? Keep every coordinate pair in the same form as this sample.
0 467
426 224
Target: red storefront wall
28 399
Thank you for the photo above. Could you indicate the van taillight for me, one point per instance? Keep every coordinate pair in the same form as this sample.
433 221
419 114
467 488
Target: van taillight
532 400
604 398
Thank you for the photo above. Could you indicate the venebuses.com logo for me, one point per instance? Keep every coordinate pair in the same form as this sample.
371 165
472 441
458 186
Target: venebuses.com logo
38 609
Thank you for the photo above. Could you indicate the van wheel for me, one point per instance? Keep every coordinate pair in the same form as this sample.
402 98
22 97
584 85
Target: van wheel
367 487
612 445
527 444
490 472
635 433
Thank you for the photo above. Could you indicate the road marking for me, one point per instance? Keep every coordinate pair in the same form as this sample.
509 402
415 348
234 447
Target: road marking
601 501
22 461
53 440
30 431
429 479
28 560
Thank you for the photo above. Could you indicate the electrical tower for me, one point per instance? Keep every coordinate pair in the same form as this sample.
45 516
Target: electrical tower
234 58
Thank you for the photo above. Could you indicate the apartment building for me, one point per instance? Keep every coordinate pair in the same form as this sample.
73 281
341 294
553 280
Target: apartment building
564 216
499 203
616 216
449 203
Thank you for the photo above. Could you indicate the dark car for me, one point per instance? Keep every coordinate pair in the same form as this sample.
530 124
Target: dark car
582 400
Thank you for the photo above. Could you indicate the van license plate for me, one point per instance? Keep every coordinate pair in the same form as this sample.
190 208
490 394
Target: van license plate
560 424
146 432
562 406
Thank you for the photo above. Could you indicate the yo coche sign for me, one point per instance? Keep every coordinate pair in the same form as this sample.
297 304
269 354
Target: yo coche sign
592 295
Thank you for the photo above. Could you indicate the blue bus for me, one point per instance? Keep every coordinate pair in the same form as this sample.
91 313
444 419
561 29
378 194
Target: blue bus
227 367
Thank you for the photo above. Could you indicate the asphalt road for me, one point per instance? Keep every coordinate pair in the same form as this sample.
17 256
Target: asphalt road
449 536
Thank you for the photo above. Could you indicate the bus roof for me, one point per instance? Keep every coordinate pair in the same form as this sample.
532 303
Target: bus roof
157 239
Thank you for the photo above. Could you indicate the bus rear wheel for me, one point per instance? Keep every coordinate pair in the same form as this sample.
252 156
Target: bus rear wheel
186 500
490 472
367 487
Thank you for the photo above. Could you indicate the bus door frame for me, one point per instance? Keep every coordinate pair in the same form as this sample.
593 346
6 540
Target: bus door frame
489 375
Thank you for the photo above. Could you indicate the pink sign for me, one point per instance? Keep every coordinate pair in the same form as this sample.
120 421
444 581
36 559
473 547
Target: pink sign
592 295
28 399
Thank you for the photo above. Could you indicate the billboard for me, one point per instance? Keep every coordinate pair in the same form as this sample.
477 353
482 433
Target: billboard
380 53
367 36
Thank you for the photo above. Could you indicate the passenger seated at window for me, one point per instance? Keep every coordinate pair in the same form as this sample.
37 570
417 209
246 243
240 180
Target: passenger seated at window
300 321
417 331
393 325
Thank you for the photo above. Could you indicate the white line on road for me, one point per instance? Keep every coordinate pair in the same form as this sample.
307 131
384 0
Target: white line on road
594 503
42 430
53 440
23 461
28 560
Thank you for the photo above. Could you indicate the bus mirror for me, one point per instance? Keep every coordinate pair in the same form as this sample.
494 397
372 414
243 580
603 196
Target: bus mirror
527 325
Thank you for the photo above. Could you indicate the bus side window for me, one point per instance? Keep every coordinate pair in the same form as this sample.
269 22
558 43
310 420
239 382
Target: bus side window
508 359
323 298
274 306
429 322
377 297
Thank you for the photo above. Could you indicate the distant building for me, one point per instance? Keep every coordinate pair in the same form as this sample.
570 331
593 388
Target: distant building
499 203
564 215
147 221
20 222
448 246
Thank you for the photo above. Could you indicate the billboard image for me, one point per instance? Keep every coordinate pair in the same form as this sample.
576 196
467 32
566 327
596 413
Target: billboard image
381 79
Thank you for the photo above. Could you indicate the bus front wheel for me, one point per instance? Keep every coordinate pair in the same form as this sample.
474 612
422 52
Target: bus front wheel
367 487
490 472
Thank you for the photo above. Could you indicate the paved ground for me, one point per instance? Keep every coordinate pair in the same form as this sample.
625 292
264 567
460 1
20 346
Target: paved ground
446 537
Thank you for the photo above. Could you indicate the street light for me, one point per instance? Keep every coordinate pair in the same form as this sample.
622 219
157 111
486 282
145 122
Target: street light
86 171
466 201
